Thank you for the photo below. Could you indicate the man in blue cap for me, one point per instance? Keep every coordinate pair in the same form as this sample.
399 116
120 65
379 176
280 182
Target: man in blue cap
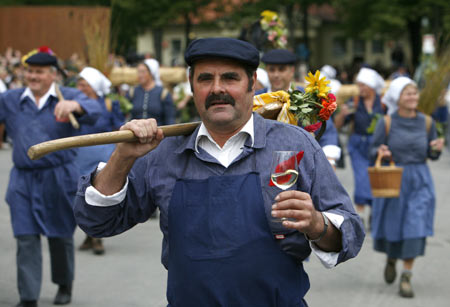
280 67
221 245
40 192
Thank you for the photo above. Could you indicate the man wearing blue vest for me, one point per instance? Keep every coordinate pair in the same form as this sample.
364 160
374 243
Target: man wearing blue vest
40 192
221 245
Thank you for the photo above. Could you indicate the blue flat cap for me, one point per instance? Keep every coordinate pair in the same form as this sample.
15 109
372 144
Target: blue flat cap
42 59
279 56
222 47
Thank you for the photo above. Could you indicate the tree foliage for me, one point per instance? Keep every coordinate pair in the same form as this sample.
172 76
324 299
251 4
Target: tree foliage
393 19
133 16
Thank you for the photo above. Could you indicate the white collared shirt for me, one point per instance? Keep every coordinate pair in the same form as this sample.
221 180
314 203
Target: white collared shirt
231 149
40 104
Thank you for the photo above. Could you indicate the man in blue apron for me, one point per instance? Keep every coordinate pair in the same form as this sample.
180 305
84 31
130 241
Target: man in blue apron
280 66
40 192
221 245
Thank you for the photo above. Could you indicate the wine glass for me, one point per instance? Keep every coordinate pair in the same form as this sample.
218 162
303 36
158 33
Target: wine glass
284 171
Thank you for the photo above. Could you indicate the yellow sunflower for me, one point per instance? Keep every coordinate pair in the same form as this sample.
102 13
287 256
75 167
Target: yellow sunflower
268 16
317 84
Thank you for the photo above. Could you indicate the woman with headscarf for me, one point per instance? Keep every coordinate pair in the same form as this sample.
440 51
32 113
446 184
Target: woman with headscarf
262 80
400 225
96 86
368 109
150 99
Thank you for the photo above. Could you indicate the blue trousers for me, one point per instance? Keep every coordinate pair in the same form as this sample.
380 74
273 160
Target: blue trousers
29 264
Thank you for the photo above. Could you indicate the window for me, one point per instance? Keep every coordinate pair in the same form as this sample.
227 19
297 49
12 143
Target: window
339 46
377 46
359 47
175 51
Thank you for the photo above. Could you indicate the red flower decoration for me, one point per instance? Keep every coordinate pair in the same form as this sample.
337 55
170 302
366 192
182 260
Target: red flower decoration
45 49
331 98
313 127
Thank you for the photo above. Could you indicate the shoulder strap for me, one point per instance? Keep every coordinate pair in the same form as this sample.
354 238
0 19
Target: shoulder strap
164 94
428 121
355 101
387 124
108 104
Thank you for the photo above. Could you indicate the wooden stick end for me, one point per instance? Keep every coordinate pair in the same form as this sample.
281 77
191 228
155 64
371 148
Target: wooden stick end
33 153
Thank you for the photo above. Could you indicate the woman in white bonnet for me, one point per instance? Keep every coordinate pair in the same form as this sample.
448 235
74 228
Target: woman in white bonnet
400 225
330 73
96 86
149 98
368 109
262 80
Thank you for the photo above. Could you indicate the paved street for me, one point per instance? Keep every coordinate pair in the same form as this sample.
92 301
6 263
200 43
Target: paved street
130 273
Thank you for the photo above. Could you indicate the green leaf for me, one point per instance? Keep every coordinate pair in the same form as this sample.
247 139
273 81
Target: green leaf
306 110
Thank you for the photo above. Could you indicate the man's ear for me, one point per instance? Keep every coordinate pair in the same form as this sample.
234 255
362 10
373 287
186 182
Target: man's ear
54 72
292 68
254 79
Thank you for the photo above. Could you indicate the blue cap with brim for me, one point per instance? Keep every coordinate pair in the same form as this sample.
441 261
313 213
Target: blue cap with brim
221 47
42 59
279 56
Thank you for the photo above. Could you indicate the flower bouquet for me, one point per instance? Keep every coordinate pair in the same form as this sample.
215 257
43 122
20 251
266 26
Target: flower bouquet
276 32
310 109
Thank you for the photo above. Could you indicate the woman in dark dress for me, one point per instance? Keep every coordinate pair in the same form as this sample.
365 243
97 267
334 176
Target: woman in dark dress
367 109
96 86
150 99
400 225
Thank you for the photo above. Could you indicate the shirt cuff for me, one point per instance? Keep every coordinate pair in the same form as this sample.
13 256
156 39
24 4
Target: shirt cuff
328 259
94 198
332 151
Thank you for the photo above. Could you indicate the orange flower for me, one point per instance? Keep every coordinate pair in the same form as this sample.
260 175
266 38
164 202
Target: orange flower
328 107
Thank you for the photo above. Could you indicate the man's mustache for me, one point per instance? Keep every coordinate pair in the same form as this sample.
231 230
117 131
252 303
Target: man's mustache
218 98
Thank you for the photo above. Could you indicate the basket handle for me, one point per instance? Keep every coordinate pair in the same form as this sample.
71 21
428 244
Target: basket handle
378 161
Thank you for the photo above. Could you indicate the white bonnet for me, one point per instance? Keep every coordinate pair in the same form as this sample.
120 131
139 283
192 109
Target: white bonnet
370 78
263 77
392 95
153 66
328 72
99 83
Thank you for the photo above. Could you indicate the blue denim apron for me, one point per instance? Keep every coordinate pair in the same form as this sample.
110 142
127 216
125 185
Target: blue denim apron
222 251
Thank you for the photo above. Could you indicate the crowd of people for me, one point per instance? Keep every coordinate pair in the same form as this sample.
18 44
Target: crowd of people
251 259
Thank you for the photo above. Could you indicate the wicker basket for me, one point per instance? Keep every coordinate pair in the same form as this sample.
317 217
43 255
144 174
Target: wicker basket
385 180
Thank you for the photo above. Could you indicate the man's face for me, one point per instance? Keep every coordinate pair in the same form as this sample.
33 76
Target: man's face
280 76
39 78
221 94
